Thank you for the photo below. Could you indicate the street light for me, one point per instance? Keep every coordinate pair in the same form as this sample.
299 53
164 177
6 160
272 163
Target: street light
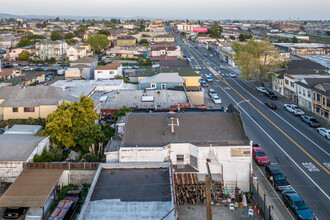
246 100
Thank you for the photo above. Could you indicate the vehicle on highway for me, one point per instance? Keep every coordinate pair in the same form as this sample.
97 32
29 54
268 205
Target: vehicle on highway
294 109
222 67
261 89
311 121
204 84
271 105
232 75
292 200
216 99
259 156
12 213
198 67
209 78
324 132
274 175
270 94
212 93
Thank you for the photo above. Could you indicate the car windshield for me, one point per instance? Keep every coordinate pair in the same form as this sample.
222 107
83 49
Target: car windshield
216 98
313 120
279 177
301 205
260 154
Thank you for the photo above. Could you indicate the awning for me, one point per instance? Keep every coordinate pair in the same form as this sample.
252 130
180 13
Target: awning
31 188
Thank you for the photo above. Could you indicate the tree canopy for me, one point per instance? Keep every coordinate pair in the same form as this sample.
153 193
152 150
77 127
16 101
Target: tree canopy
105 32
24 42
70 122
98 42
55 36
80 32
257 59
25 55
215 30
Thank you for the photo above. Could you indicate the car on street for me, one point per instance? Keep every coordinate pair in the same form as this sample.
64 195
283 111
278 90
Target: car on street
301 210
204 84
324 132
270 94
205 54
211 55
275 176
259 156
222 67
311 121
209 78
261 89
192 58
232 75
198 67
271 105
216 99
27 68
212 92
294 109
12 213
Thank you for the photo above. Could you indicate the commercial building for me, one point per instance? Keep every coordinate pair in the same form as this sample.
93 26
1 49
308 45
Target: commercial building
321 100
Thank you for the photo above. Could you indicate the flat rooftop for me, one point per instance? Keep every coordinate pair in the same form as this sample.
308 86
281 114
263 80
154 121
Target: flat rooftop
184 71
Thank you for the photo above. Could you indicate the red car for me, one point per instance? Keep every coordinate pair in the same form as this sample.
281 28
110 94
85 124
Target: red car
260 156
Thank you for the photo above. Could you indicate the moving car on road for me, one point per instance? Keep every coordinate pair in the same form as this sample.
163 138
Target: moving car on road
259 156
222 67
292 200
311 121
271 105
261 89
216 99
274 175
270 94
209 78
294 109
324 132
198 67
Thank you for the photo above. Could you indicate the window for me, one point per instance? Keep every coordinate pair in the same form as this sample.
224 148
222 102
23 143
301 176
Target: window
309 93
15 109
286 82
179 158
318 97
28 109
299 90
318 110
326 114
323 101
314 96
153 85
292 84
304 92
163 86
112 72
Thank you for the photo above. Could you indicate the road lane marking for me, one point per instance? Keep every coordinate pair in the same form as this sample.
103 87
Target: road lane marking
327 165
310 167
285 121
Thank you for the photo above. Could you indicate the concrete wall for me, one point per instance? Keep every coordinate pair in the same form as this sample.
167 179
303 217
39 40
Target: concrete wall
77 177
10 170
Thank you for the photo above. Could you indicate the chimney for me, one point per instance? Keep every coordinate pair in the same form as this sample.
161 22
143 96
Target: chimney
172 125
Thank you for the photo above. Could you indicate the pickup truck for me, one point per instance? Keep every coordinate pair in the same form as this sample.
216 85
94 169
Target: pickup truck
270 94
294 109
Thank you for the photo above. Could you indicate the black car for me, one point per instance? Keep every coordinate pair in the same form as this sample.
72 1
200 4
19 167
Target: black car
277 178
13 213
311 121
270 94
271 105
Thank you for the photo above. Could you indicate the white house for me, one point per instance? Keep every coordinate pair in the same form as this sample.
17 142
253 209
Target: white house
109 71
189 140
75 53
48 49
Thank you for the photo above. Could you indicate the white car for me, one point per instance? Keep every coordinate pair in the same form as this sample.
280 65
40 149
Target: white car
192 58
209 78
198 67
27 68
261 89
294 109
212 93
232 75
324 132
222 67
216 99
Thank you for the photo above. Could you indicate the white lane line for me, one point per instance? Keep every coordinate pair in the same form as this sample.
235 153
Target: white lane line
277 145
327 165
284 120
310 167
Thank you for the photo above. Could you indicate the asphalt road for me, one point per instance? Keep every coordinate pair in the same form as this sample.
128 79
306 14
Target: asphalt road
298 150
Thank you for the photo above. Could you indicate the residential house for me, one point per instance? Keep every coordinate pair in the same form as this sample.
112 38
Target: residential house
162 81
304 48
48 49
31 101
109 71
33 78
86 66
164 38
321 100
177 137
126 41
166 53
6 74
75 53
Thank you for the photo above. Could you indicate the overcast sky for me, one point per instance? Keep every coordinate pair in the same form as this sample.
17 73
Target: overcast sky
191 9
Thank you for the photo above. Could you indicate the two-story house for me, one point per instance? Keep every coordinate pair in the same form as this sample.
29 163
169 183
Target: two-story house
48 49
126 41
321 100
162 81
109 71
166 53
164 38
82 68
75 53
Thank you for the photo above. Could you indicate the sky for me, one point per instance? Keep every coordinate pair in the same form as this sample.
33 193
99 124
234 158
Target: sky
171 9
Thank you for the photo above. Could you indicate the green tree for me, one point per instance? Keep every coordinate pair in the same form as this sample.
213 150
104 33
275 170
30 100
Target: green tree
294 39
98 42
90 134
105 32
241 37
65 123
257 59
55 36
144 41
69 36
215 30
232 37
25 55
80 32
24 42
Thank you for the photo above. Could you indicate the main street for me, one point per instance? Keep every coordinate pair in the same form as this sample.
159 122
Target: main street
300 153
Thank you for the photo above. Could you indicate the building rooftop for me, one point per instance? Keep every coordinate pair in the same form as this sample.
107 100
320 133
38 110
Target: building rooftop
182 71
163 78
24 129
85 60
111 66
218 128
301 45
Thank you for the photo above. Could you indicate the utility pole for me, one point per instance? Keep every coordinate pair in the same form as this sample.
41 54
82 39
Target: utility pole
208 198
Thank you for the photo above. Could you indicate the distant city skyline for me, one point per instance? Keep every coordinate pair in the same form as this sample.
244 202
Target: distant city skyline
175 9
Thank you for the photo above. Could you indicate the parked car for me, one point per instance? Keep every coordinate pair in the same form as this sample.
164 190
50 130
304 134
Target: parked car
216 99
212 93
222 67
192 58
275 175
198 67
13 213
202 80
204 84
294 109
259 156
324 132
311 121
22 64
209 78
270 94
261 89
271 105
28 68
292 200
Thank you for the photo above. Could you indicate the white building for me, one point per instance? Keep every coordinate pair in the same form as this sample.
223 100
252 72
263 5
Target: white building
109 71
189 140
48 49
75 53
